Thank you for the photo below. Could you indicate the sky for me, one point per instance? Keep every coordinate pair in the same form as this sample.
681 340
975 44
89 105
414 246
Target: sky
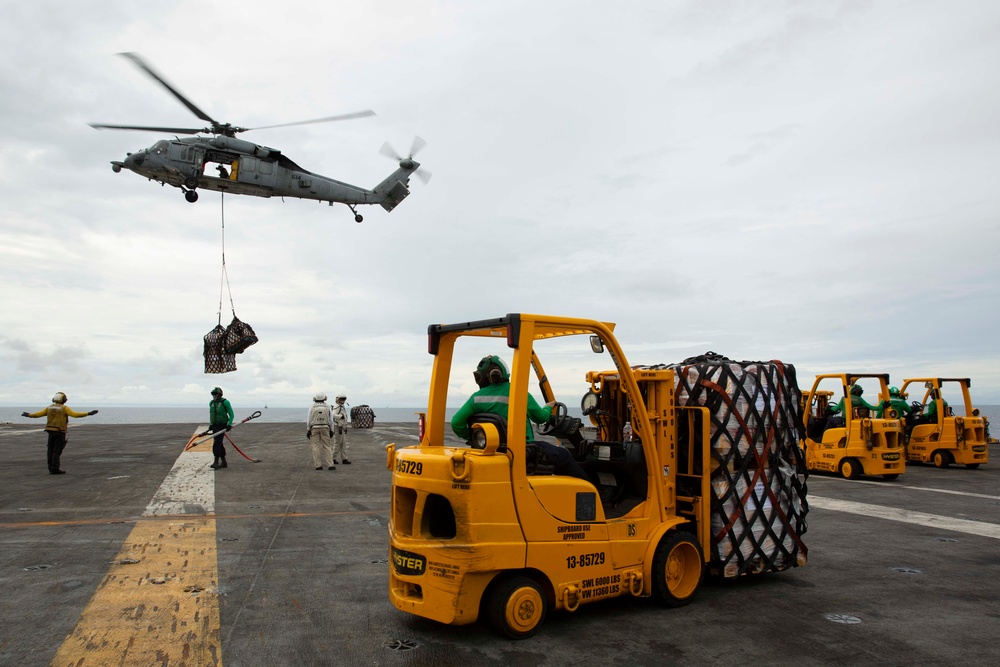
814 182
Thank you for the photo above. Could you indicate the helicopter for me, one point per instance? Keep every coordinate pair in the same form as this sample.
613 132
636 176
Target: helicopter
227 164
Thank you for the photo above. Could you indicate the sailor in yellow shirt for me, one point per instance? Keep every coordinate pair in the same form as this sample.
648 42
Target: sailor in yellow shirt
57 422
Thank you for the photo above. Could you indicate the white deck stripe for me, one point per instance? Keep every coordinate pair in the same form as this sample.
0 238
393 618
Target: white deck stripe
159 602
813 478
189 487
980 528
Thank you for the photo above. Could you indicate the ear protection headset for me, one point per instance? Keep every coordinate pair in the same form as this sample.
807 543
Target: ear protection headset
491 370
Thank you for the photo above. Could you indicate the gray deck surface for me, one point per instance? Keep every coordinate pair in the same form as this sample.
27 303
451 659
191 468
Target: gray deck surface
303 570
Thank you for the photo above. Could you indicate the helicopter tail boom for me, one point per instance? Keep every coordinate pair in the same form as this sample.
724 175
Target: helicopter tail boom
393 189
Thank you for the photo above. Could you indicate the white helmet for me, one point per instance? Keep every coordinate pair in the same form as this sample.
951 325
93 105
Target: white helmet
59 397
319 397
341 396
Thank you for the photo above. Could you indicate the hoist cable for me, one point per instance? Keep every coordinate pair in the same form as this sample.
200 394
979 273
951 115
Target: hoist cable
224 280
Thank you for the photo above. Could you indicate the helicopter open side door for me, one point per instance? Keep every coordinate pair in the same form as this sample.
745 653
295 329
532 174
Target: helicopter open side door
254 171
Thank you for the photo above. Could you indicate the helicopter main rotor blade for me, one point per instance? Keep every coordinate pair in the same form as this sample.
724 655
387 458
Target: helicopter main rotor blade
141 64
170 130
328 119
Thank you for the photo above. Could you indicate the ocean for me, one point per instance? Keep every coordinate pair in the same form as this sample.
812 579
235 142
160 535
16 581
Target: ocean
199 415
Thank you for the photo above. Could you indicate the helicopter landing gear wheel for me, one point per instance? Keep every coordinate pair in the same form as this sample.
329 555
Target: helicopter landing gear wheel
191 196
357 216
190 182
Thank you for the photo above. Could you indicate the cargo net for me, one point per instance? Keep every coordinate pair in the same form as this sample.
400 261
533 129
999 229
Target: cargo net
216 359
222 344
758 477
362 417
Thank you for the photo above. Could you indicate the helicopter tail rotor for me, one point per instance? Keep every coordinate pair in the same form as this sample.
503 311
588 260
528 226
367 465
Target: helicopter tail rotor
408 162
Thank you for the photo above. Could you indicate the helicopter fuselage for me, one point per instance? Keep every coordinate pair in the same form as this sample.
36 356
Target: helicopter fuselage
245 168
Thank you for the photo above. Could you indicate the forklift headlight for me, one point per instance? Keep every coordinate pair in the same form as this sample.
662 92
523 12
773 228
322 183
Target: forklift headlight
893 414
485 437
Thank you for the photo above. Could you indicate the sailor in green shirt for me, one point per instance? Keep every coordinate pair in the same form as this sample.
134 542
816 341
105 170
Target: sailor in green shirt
856 401
896 403
493 396
220 415
930 412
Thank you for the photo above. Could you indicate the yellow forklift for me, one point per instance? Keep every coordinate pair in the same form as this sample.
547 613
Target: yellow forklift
484 528
934 433
852 440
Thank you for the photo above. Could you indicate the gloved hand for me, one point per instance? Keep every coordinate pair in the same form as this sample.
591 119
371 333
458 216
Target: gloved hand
229 427
92 413
331 432
309 433
25 414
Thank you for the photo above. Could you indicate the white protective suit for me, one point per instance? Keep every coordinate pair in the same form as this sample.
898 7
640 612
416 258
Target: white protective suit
340 417
319 428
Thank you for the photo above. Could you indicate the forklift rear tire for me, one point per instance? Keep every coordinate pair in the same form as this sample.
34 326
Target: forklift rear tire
972 466
891 477
941 458
677 569
850 469
516 607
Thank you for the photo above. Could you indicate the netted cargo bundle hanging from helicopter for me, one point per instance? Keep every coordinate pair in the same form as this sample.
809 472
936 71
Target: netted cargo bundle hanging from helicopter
222 344
239 336
758 476
216 359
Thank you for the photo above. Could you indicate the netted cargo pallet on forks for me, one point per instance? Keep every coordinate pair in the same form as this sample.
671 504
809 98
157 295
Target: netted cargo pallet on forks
758 476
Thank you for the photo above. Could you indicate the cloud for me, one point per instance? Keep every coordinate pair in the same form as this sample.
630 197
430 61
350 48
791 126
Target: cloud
807 182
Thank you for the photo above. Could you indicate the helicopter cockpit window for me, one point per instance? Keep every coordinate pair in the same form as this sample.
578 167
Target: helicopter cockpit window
160 148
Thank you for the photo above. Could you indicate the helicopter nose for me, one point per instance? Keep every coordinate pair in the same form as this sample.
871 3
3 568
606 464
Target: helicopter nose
135 159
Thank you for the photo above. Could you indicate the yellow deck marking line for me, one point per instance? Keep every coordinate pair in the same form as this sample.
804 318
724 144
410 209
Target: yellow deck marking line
980 528
158 604
267 515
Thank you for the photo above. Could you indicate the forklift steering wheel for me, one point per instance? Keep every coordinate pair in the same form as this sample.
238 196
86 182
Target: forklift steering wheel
560 415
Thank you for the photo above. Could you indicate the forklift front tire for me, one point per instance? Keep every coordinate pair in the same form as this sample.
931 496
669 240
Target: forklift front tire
677 569
516 607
